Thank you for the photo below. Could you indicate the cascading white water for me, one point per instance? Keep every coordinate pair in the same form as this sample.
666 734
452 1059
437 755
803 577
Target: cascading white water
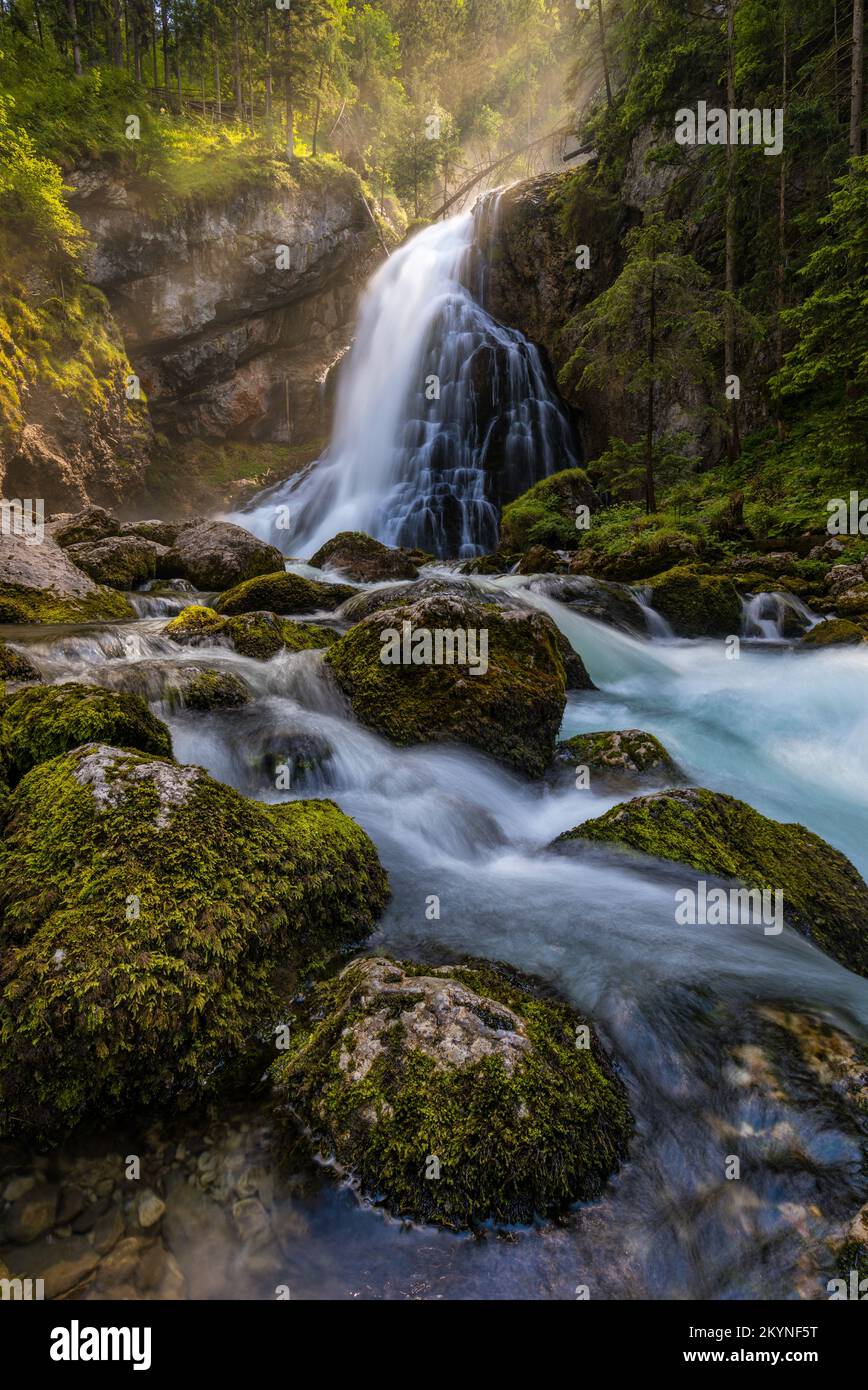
775 616
441 415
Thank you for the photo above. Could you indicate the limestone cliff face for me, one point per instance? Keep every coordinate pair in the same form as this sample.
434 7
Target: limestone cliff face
532 232
233 309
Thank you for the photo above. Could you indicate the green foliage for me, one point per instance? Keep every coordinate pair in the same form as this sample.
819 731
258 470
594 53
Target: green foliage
546 513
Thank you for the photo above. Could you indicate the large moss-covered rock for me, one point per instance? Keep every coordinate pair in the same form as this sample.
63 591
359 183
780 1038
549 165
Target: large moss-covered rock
40 584
15 666
825 898
120 562
42 721
257 635
150 915
362 558
218 554
622 757
90 524
512 711
545 515
696 604
282 593
456 1094
207 690
835 632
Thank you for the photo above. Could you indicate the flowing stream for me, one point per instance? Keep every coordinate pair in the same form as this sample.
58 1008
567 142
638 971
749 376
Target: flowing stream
699 1019
686 1011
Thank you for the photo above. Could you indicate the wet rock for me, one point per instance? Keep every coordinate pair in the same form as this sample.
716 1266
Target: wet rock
72 1203
43 721
545 515
208 690
362 558
595 598
252 1223
120 562
89 525
152 1268
18 1187
120 1265
824 897
149 1209
511 710
193 1223
540 560
87 1219
62 1266
163 533
282 593
32 1215
116 995
260 636
108 1230
623 757
834 632
696 604
455 1094
40 584
15 666
217 554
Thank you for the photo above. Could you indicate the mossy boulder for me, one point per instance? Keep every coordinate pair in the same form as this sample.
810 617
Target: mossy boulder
696 604
619 757
825 898
161 532
635 556
14 666
207 690
545 515
282 593
214 555
120 562
151 918
91 524
853 603
40 584
45 720
257 635
457 1094
540 560
362 558
511 709
836 632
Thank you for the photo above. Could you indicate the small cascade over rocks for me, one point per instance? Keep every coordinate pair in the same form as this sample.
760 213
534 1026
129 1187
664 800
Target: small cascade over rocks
442 414
775 617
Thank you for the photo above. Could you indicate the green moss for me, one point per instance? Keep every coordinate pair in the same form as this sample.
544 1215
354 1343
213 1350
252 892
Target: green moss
120 562
546 514
512 712
214 690
150 918
825 898
14 666
45 720
520 1128
257 635
695 604
619 755
362 558
834 633
282 593
20 605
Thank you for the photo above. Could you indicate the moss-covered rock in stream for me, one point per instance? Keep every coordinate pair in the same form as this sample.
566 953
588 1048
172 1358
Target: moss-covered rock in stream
835 632
540 560
217 554
621 757
824 896
362 558
696 604
457 1094
19 604
257 635
545 515
510 708
207 690
120 562
151 918
15 666
45 720
282 593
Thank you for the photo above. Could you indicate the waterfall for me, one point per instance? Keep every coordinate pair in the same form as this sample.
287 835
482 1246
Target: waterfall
442 414
775 616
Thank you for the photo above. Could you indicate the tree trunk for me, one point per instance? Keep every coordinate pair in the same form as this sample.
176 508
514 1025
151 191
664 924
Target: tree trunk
117 57
236 68
733 441
650 494
76 48
268 68
318 108
782 210
164 24
215 49
288 91
604 53
856 78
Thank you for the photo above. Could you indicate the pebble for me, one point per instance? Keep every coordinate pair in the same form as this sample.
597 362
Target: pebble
18 1187
149 1208
32 1215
